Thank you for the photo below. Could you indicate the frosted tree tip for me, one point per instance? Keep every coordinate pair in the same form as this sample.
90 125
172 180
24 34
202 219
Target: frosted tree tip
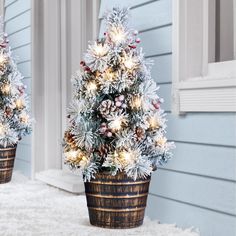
117 16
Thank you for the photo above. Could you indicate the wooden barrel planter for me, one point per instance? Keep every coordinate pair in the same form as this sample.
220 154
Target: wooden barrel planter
116 201
7 157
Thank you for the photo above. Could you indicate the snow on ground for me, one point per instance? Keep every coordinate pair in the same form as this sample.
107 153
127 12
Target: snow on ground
32 208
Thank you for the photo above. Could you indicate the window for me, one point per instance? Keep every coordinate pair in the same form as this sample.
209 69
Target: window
204 65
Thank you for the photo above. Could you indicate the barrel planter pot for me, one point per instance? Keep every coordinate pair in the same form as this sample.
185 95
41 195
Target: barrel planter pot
7 158
116 201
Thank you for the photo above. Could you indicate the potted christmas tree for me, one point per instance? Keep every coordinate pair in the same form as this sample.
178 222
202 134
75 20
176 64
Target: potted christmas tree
116 132
14 114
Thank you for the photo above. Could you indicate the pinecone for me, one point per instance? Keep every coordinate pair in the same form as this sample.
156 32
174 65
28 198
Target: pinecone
107 107
103 150
139 133
69 139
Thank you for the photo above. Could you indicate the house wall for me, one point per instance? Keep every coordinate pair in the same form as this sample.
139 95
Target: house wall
198 186
18 26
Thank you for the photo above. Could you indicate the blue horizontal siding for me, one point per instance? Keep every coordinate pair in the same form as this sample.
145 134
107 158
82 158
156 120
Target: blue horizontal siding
209 223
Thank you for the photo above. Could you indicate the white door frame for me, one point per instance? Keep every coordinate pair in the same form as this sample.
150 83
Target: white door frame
59 39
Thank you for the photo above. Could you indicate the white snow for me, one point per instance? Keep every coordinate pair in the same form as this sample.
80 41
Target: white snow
34 208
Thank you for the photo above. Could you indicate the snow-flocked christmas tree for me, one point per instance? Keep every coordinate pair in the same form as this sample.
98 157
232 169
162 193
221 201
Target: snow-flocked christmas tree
15 121
115 119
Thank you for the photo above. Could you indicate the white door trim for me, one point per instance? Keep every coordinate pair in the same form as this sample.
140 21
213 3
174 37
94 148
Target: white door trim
198 86
59 39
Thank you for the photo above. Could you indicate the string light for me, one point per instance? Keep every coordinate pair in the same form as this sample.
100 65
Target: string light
91 86
153 123
109 75
76 157
2 129
136 102
117 122
24 118
161 141
2 59
19 103
72 154
129 64
6 89
99 50
117 35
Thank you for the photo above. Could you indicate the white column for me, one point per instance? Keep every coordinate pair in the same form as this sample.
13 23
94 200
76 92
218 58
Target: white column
59 39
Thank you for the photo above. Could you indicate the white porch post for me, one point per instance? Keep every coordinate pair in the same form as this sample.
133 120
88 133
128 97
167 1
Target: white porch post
59 36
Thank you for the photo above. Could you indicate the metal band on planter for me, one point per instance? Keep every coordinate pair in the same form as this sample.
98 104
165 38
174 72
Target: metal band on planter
7 157
119 204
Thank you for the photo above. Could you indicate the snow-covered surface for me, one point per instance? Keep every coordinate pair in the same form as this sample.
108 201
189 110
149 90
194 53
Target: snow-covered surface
34 208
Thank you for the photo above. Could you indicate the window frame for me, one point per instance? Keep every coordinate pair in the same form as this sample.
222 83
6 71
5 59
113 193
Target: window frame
198 86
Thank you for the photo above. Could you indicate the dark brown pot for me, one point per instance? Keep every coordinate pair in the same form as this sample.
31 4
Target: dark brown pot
7 157
116 201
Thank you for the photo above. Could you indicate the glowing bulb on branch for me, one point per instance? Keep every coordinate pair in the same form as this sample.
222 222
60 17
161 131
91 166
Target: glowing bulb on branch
72 154
161 142
100 50
3 59
153 123
129 64
6 89
117 122
20 103
2 129
24 118
126 155
136 102
109 75
117 35
91 86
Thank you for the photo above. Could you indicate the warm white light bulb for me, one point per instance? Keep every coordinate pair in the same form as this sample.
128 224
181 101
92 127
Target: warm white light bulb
116 124
136 102
161 141
24 118
108 75
129 64
153 122
92 86
19 103
2 59
72 154
6 89
126 156
99 50
2 129
117 35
